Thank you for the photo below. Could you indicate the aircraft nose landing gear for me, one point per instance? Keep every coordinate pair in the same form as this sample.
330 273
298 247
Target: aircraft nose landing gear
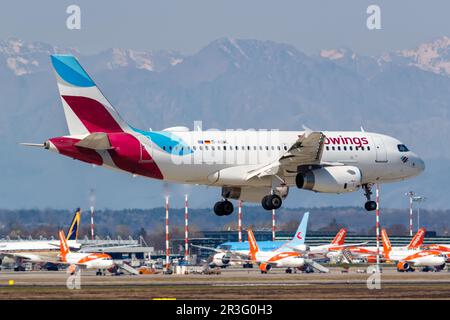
223 208
370 205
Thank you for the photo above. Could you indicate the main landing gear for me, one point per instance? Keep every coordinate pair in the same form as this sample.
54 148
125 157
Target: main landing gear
271 201
223 208
369 205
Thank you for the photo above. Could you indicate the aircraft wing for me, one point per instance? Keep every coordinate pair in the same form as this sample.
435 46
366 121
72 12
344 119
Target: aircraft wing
29 256
349 245
307 150
234 255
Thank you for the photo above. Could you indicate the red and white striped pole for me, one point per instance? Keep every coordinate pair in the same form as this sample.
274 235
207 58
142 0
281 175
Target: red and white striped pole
240 220
377 225
92 222
411 214
167 234
273 225
186 229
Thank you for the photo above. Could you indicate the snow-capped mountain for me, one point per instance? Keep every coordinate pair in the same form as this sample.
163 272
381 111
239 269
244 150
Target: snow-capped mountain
432 56
230 83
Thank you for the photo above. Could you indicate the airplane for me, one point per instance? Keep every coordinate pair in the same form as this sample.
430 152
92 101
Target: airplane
38 250
408 259
280 258
443 248
99 261
369 253
298 240
248 165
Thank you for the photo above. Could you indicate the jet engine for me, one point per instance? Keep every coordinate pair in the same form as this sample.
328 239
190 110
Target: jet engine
337 179
404 266
220 260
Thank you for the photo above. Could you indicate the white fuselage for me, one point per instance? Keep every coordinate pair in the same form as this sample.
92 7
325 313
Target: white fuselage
90 260
380 161
418 258
34 245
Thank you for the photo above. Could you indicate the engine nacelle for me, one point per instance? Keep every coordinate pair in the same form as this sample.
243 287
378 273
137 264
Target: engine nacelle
221 260
337 179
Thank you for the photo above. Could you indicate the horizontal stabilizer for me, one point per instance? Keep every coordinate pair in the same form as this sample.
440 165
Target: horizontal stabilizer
95 141
27 144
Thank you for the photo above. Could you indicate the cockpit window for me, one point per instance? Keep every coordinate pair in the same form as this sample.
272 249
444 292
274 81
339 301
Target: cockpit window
402 148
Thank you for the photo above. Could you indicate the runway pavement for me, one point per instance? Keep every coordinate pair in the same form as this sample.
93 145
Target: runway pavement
230 284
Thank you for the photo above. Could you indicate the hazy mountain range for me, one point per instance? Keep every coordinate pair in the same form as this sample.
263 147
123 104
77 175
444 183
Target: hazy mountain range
230 83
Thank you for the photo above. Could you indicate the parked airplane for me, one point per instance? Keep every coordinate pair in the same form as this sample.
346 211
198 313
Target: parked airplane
279 258
39 250
99 261
408 259
247 165
298 240
224 257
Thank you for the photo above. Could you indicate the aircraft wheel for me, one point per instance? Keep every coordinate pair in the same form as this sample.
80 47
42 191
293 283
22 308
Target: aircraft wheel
218 208
265 203
370 205
227 207
223 208
272 201
275 201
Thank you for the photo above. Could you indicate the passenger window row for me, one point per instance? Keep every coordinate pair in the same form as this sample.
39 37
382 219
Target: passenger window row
345 148
219 148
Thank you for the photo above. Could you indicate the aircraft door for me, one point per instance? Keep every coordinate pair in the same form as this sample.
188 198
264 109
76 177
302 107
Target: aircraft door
380 149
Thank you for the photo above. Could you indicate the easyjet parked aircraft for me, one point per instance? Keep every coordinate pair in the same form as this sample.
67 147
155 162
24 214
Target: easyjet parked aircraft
369 253
279 258
408 259
99 261
247 165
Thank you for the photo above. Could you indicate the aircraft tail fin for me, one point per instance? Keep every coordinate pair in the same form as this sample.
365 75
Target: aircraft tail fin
300 234
386 243
72 232
417 240
86 108
63 246
253 244
339 239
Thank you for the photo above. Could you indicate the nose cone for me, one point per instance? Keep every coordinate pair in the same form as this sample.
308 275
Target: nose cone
419 164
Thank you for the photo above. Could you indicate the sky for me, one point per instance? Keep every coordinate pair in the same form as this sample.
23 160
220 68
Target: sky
187 26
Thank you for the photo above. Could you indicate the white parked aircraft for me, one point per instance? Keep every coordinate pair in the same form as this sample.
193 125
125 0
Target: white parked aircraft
40 250
247 165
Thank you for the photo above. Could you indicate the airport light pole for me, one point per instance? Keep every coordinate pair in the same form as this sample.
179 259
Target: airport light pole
418 199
